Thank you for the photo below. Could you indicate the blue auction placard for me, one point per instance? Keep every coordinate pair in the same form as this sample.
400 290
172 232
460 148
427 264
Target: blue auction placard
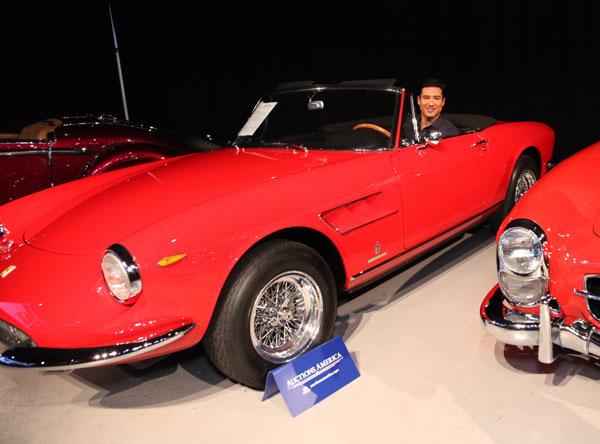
313 376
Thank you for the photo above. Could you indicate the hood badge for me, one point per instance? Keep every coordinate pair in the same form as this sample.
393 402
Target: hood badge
170 260
8 270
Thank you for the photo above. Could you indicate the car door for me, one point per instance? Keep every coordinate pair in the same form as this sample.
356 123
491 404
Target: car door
442 185
23 168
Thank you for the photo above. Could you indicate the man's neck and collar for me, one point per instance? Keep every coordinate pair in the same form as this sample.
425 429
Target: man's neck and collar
425 122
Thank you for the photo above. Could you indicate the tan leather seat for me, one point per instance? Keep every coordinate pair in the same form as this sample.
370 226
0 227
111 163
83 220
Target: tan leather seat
39 130
9 136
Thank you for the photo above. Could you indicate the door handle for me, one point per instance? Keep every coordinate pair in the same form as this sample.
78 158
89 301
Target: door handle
479 142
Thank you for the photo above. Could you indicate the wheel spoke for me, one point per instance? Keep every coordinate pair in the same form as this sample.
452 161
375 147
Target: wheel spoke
286 316
525 181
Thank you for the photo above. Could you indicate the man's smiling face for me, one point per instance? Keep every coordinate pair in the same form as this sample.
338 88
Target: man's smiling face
431 101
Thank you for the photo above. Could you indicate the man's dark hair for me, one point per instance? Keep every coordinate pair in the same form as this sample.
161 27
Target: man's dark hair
433 83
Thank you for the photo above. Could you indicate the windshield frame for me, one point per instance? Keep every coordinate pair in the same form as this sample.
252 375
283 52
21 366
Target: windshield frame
355 86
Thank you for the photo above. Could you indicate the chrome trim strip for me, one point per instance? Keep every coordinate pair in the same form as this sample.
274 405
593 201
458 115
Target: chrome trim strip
103 119
585 294
70 359
23 153
379 256
75 151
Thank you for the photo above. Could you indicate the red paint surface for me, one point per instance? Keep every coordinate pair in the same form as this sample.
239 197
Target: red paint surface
565 204
214 207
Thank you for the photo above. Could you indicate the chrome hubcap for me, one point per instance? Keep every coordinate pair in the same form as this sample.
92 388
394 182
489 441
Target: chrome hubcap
524 183
286 316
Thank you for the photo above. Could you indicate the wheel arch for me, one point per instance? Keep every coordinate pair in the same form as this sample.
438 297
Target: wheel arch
534 153
313 239
108 151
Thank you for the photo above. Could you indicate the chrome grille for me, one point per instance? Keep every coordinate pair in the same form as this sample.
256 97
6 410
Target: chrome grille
592 286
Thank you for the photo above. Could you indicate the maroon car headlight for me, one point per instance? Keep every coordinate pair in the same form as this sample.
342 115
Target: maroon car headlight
522 270
121 273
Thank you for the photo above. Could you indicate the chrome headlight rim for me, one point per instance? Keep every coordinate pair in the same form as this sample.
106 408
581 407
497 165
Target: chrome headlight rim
541 271
129 268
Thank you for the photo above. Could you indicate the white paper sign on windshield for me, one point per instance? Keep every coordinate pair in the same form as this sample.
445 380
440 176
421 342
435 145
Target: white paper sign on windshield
258 116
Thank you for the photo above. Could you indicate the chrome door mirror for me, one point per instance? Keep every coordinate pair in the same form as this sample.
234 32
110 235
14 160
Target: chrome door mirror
314 105
432 140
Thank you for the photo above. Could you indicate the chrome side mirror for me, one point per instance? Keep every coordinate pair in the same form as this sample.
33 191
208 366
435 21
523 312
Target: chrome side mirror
314 105
433 139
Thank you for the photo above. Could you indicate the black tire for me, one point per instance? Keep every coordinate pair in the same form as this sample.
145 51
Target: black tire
525 170
230 341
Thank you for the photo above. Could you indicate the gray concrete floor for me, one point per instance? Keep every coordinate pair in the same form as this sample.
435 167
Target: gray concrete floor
429 373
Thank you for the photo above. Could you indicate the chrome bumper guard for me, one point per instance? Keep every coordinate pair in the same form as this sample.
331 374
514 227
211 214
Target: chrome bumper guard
529 330
73 358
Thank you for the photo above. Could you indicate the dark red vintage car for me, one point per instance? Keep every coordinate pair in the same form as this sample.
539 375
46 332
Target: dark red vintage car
247 247
548 294
54 151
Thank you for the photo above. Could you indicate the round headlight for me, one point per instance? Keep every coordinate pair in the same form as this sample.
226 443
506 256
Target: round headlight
121 273
520 250
525 291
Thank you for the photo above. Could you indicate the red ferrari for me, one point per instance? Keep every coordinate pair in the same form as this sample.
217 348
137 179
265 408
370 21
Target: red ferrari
246 248
548 294
54 151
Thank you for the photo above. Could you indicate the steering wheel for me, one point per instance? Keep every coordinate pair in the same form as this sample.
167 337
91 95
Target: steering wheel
373 127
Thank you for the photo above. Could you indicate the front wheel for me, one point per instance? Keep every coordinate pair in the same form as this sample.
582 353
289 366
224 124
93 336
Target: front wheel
279 302
525 174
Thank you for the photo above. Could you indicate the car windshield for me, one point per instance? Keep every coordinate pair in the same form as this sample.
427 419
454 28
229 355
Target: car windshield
332 119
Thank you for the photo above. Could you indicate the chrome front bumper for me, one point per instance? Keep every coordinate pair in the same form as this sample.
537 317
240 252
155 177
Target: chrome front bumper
73 358
511 327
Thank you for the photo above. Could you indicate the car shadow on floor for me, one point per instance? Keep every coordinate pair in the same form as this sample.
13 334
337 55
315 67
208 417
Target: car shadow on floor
560 372
181 376
189 375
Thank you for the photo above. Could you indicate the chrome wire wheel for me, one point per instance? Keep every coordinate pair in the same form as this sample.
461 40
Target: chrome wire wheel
526 180
286 316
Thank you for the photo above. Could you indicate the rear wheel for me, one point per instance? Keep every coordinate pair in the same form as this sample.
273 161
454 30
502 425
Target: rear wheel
525 174
279 302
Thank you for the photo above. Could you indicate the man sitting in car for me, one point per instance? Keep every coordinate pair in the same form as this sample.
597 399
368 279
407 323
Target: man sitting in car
431 101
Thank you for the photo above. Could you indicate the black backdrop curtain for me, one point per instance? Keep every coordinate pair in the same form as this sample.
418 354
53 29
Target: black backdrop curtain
198 67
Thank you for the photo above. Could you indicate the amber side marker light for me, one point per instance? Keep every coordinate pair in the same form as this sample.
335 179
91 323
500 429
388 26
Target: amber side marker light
170 260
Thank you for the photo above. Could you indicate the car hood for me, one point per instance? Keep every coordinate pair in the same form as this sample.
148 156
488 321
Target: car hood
111 213
566 203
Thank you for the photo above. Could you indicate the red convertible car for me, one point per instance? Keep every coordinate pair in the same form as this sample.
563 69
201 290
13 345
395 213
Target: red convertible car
246 248
54 151
549 264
